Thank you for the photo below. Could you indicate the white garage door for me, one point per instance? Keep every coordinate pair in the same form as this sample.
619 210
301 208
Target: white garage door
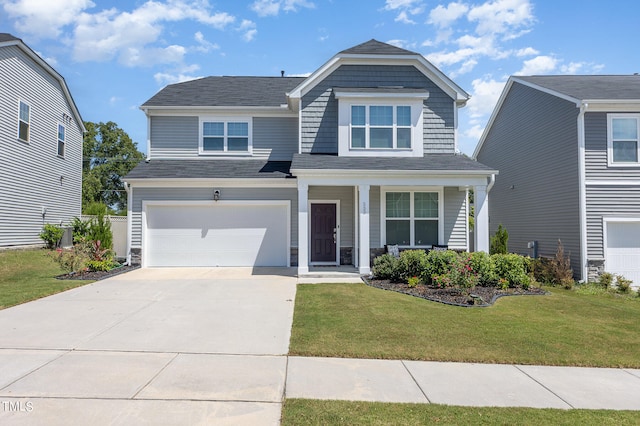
623 250
218 234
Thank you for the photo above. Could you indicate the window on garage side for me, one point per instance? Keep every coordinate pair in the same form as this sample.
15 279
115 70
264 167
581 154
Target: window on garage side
24 121
220 136
412 218
623 139
61 139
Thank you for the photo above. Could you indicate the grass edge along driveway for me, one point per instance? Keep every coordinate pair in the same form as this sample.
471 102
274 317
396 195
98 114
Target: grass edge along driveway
564 328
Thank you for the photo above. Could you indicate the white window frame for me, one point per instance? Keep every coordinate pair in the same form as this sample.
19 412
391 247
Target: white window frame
368 127
59 141
20 120
611 163
345 102
412 190
225 120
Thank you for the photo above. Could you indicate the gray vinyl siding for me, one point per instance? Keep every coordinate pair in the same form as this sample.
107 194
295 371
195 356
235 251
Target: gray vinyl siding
533 142
32 176
608 201
319 115
596 165
275 138
455 218
200 194
345 195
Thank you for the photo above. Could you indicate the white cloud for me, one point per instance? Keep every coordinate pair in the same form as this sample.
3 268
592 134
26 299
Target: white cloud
272 7
44 18
179 75
501 16
402 4
249 29
484 96
404 18
405 8
542 64
465 68
444 16
527 51
204 45
581 68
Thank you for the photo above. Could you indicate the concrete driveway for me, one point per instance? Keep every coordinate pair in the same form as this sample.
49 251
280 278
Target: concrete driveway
153 346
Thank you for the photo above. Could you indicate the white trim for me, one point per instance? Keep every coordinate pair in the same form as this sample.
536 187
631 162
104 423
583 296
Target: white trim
467 210
64 140
399 96
613 182
148 137
356 230
408 179
129 189
337 204
364 227
582 192
614 219
208 182
21 101
225 120
413 189
187 203
190 111
610 162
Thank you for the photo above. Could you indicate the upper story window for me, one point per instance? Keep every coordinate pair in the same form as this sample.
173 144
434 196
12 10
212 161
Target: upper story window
412 218
380 121
225 136
24 120
61 139
380 127
623 141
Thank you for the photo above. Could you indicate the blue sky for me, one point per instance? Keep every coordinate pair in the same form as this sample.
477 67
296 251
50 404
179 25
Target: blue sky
115 55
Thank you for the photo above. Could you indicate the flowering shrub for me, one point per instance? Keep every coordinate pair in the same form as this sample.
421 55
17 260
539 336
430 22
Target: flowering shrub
438 262
413 281
412 263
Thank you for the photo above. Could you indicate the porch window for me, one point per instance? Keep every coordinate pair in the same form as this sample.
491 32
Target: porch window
225 136
623 141
412 218
380 127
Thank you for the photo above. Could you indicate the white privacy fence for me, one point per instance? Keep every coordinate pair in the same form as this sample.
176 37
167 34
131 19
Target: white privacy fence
119 230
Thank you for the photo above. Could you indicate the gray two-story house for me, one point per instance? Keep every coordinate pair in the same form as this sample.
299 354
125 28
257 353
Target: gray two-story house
568 151
40 146
323 170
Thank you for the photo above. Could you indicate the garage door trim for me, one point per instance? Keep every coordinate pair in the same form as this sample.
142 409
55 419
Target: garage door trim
605 237
207 203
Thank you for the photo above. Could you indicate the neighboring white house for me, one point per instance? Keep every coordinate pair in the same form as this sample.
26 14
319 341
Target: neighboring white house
40 146
568 150
290 171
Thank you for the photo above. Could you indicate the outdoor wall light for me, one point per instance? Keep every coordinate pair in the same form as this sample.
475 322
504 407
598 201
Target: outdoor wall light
216 194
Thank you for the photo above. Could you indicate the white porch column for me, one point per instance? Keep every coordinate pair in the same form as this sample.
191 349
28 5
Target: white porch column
363 225
481 229
303 228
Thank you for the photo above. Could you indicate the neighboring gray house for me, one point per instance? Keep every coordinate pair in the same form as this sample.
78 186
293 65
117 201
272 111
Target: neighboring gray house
323 170
40 146
568 151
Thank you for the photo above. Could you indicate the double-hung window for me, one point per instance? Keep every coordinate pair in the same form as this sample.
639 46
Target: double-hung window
24 120
380 127
623 139
61 139
225 136
412 218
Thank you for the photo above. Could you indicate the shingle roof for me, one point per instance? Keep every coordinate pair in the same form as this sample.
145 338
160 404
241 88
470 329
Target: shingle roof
430 162
226 91
210 169
584 87
375 47
7 37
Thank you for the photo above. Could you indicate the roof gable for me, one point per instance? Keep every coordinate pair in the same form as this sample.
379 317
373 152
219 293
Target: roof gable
589 87
375 47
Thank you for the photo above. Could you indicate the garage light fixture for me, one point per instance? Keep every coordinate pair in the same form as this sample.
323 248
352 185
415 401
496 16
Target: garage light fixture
216 194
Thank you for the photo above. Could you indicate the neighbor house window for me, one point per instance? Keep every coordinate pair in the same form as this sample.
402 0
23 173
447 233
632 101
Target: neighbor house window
23 121
623 138
412 218
225 136
380 127
61 139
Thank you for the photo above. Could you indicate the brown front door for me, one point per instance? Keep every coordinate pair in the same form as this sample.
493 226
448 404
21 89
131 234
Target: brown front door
323 232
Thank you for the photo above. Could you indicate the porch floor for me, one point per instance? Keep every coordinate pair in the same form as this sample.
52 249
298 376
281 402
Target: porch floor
330 274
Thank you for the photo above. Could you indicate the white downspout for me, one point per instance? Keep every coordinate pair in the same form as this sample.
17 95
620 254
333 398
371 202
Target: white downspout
492 181
582 193
129 220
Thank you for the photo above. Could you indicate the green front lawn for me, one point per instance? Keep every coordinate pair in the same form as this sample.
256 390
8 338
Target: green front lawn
28 275
565 328
313 412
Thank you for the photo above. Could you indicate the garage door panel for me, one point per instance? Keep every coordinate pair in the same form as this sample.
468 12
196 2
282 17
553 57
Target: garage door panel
623 250
217 235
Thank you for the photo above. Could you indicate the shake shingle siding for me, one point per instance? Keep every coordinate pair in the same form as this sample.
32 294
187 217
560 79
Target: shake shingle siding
534 143
319 115
32 176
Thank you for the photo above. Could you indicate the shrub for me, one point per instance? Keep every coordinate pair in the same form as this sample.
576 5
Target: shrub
385 267
413 281
51 235
100 265
481 264
73 259
438 262
412 263
605 280
462 275
623 284
499 241
80 228
100 230
512 268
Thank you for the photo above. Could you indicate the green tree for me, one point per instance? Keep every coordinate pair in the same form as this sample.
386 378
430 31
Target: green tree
499 241
108 155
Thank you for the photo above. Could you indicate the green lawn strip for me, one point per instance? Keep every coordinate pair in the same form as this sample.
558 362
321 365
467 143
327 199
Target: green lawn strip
27 275
314 412
565 328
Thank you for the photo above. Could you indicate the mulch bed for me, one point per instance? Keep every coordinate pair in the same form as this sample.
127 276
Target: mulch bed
478 296
98 275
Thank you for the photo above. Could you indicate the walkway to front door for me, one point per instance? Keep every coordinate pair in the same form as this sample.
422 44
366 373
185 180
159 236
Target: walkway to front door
323 232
